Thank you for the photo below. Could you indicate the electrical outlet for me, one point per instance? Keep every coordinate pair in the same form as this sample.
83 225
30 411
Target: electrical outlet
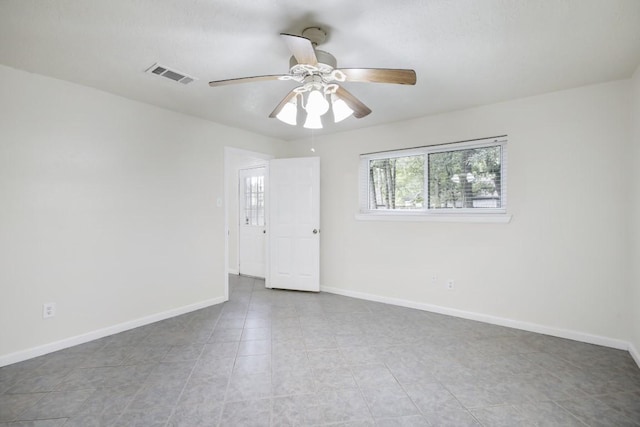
48 309
450 284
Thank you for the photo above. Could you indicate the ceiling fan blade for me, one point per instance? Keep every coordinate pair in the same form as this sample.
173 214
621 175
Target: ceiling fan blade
249 79
301 48
282 103
359 109
380 75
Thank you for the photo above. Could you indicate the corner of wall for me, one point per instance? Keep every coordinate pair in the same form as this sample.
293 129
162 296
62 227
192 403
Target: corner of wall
635 216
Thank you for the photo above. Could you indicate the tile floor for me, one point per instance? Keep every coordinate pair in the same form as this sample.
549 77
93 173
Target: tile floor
279 358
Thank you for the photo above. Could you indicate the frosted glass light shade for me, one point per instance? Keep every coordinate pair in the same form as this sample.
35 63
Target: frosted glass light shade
313 122
317 105
340 109
288 114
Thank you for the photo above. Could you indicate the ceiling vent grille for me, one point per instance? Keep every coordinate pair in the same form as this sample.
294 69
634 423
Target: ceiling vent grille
176 76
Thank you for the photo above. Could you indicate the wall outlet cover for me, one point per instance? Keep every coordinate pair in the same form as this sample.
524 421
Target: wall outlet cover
48 310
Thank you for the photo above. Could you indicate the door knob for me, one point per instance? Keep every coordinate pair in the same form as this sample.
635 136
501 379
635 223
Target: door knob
315 231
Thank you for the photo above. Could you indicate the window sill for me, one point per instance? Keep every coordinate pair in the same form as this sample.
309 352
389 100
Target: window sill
487 218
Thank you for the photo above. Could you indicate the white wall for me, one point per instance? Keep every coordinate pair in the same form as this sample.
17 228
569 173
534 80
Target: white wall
561 263
107 208
635 213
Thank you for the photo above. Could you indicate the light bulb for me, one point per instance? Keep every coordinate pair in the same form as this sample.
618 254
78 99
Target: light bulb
316 103
313 122
289 114
340 109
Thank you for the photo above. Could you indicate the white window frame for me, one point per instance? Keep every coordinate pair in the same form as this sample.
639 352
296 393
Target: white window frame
499 215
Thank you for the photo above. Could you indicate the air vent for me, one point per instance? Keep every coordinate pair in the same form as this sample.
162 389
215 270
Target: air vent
176 76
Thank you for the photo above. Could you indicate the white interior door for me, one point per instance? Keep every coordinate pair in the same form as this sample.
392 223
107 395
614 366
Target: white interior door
251 216
294 224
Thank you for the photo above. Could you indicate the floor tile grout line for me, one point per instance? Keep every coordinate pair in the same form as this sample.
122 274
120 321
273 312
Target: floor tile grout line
235 357
365 399
571 414
620 413
271 397
29 407
173 410
441 385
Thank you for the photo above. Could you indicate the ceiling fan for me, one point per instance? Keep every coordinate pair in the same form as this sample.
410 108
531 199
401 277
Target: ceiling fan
319 82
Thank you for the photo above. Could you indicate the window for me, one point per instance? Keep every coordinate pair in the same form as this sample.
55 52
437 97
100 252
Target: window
396 183
467 177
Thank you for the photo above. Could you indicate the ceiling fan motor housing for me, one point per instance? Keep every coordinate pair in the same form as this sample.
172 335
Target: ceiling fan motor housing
326 62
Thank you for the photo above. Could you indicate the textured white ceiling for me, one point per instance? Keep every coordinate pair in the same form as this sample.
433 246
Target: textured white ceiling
465 52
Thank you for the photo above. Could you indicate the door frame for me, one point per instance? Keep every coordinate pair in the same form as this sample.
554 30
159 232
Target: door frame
252 159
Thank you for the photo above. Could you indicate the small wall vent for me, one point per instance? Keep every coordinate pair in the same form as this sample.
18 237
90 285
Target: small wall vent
176 76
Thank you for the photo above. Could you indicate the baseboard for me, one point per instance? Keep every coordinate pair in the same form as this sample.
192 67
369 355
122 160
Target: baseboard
635 354
494 320
30 353
22 355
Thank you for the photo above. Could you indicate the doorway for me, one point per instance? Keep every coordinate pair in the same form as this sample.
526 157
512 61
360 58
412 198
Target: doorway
251 222
291 252
235 160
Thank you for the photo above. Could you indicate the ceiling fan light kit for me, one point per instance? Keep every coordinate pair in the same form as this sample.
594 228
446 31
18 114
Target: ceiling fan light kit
317 73
340 109
289 113
313 121
317 104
